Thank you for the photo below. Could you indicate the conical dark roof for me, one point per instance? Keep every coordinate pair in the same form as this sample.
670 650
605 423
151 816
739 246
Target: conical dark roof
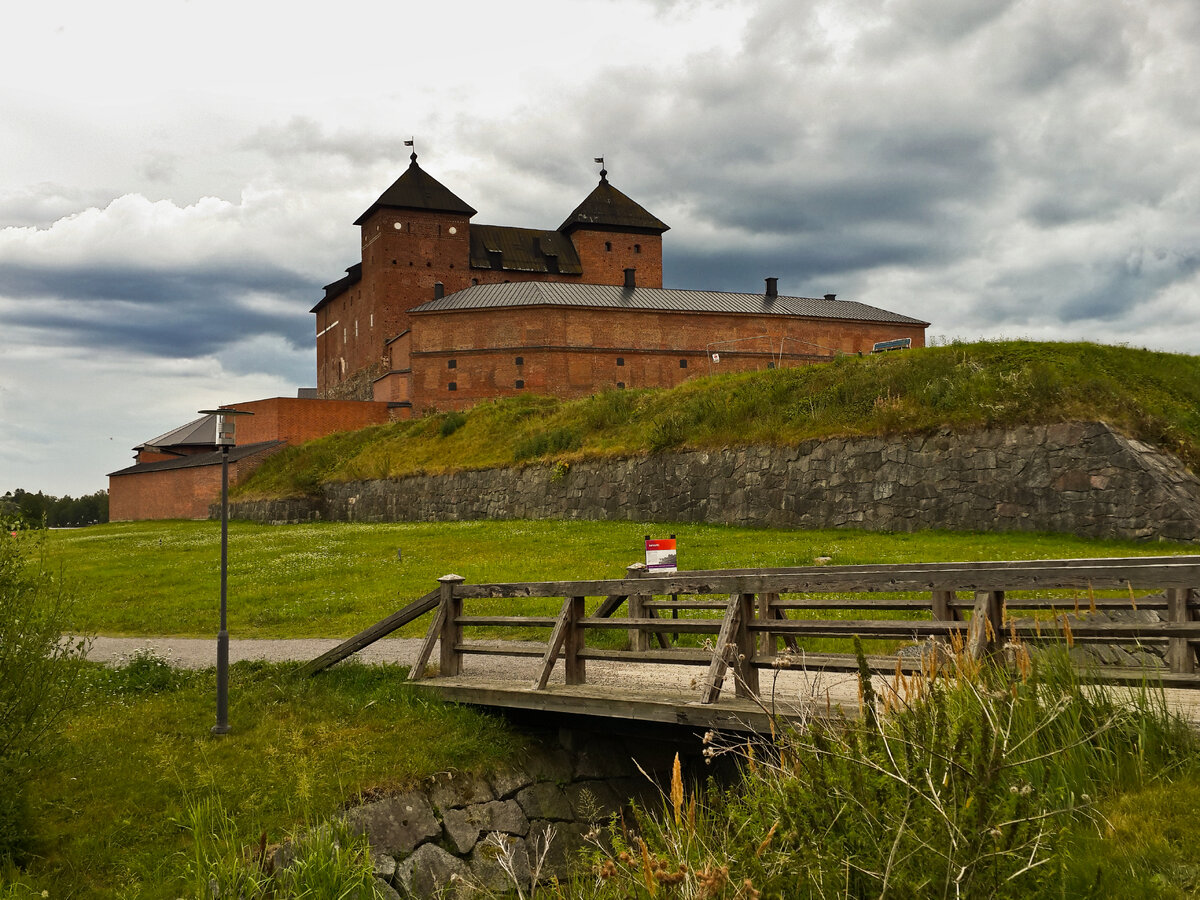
606 207
416 189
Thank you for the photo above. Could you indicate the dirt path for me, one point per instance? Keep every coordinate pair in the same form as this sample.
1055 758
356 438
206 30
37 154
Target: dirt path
801 688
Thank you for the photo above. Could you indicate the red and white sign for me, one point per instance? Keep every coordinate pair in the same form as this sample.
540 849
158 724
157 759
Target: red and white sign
660 556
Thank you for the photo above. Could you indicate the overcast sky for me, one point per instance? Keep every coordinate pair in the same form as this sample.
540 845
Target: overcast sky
179 179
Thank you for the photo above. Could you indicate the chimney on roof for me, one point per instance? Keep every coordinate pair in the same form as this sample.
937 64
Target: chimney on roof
772 288
630 281
831 296
439 290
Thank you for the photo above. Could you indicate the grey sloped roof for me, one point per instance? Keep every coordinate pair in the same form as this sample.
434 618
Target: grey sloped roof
606 207
417 189
523 250
535 293
198 459
201 431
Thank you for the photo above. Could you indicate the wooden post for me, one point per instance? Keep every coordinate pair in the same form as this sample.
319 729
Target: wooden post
567 639
574 664
768 645
451 636
987 624
943 608
1180 656
734 647
638 639
743 662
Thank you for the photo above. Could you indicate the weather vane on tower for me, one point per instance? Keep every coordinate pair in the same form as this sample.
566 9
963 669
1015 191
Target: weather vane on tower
603 172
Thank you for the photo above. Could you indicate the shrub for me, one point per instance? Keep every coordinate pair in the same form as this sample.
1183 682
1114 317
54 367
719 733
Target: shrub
966 786
452 422
37 674
545 443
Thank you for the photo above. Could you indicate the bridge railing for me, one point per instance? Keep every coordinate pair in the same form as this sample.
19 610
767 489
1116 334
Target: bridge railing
764 618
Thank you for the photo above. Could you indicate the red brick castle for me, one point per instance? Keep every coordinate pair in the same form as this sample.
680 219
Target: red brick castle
441 313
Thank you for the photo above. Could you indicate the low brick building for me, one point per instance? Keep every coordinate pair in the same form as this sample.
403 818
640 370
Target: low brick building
177 475
441 313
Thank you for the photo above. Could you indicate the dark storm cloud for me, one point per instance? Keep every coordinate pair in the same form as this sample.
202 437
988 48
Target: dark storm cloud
177 313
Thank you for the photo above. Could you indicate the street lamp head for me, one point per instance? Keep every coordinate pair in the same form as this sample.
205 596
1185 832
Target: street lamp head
225 424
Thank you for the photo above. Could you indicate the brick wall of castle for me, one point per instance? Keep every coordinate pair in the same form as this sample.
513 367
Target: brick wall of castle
458 359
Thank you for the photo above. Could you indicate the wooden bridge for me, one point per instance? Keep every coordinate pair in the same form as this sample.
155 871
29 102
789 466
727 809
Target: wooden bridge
767 619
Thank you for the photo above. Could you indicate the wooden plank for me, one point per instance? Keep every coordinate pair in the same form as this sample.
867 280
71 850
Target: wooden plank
674 656
451 635
684 604
719 664
531 621
368 636
554 645
922 628
688 626
943 606
788 639
499 648
1022 575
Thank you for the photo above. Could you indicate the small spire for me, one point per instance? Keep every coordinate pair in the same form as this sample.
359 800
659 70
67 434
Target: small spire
411 143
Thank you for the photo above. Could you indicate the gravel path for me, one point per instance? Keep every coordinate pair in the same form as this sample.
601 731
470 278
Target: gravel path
790 687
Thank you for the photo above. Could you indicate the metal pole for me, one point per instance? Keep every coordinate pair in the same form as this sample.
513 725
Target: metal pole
222 726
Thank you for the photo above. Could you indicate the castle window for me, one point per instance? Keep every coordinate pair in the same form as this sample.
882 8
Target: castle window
474 281
621 385
452 386
520 360
637 248
620 360
452 364
683 364
608 246
372 320
770 365
393 262
520 383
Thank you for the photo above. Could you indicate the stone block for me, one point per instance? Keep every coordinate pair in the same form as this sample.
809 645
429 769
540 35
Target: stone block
432 872
505 784
545 800
396 825
561 856
500 863
464 826
458 791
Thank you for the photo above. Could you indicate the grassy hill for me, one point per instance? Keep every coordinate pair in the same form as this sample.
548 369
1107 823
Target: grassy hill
1154 397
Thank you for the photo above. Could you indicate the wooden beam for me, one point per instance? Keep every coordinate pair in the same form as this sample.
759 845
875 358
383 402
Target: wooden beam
720 662
986 629
417 672
368 636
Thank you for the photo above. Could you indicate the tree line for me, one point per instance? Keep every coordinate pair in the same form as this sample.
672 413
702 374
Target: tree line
40 509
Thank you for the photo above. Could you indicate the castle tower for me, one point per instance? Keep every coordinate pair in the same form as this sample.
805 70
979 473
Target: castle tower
612 233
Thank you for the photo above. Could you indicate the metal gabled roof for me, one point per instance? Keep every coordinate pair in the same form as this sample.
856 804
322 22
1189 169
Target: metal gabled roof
417 189
336 288
536 293
607 208
198 432
523 250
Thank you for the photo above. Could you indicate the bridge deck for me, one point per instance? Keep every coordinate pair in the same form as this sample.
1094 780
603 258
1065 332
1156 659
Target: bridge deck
611 701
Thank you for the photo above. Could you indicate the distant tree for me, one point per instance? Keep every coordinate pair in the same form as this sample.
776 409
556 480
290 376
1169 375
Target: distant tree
41 509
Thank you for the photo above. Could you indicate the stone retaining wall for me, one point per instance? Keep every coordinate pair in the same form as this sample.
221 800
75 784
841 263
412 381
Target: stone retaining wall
1078 477
454 830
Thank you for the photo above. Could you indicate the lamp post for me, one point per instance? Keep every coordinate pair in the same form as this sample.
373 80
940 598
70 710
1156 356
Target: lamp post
225 440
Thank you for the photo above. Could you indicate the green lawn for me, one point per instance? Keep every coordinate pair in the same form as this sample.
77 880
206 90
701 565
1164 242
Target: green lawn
333 580
110 812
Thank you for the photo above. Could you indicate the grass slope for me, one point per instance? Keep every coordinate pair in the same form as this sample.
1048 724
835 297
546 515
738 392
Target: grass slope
1151 396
